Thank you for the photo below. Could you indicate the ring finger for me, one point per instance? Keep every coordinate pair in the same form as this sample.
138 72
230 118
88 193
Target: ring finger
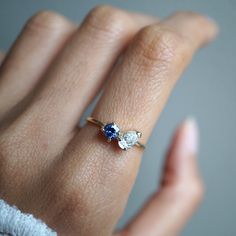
133 98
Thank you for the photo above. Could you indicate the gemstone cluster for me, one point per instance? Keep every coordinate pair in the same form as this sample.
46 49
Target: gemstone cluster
126 140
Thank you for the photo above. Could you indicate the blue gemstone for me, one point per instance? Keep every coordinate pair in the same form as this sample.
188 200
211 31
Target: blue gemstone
111 131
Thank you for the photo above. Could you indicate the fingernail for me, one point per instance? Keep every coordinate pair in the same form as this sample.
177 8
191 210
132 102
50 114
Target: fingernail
189 137
214 30
212 21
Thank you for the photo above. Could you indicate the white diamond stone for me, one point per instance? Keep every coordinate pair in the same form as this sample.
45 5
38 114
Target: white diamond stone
128 139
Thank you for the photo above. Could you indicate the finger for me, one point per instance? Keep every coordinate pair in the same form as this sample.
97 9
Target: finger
38 44
170 208
133 98
152 65
80 69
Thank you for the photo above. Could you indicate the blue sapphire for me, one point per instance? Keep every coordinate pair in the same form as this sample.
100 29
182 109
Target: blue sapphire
111 131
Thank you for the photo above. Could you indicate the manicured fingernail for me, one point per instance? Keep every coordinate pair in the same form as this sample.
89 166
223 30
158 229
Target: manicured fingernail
213 22
189 137
214 29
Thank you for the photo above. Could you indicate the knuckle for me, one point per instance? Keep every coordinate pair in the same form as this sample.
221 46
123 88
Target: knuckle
66 188
66 199
47 20
159 44
20 133
108 20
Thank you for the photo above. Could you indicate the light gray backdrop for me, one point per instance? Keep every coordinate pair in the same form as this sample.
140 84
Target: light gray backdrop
206 91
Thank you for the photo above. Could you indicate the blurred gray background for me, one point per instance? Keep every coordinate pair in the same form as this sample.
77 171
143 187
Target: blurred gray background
207 91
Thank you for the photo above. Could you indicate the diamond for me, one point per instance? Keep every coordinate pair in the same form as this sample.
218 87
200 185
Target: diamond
128 139
111 131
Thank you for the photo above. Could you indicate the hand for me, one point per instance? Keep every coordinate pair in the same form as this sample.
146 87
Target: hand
72 178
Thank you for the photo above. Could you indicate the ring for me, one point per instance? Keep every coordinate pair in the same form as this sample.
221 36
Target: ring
126 140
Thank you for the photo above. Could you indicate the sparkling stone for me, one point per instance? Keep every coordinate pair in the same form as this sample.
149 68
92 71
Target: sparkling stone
111 131
128 139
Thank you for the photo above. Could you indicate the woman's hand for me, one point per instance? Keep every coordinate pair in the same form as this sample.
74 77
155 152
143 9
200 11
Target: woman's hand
69 177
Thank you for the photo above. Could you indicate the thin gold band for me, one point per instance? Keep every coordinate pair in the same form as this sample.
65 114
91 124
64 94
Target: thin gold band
95 122
101 125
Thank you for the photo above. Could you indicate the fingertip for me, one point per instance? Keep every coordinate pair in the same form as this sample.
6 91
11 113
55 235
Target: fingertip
185 141
180 162
189 138
214 28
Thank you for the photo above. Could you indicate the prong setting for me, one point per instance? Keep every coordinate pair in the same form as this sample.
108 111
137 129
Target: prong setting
139 134
126 139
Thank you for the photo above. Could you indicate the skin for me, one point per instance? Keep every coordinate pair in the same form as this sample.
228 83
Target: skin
69 177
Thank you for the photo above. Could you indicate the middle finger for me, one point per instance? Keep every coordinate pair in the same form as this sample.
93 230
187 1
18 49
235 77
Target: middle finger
80 69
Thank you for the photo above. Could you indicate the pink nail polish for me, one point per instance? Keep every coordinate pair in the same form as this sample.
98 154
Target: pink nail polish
189 137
